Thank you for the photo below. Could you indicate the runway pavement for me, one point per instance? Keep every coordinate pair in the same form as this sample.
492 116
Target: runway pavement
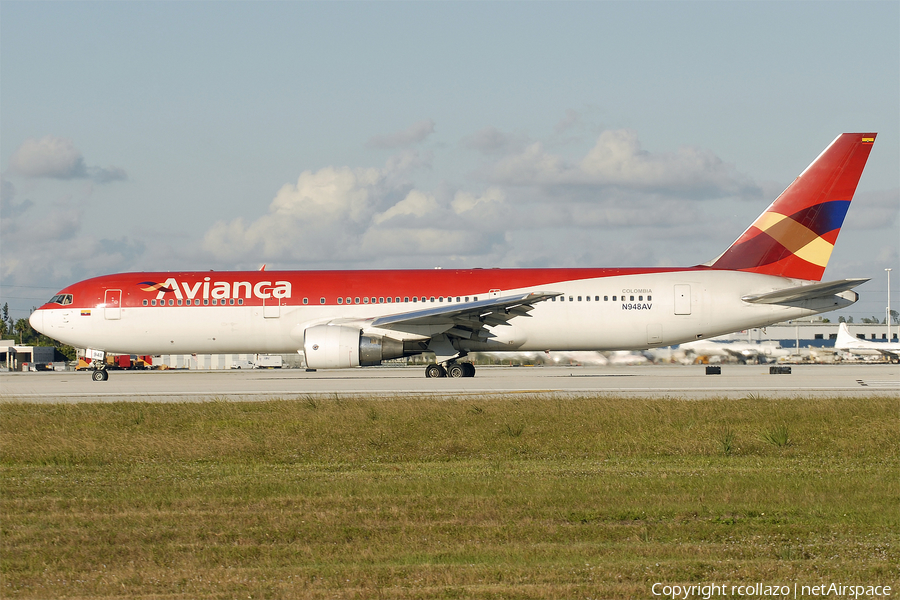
660 381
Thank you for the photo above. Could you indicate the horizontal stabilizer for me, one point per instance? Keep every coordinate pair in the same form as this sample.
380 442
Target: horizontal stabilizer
804 292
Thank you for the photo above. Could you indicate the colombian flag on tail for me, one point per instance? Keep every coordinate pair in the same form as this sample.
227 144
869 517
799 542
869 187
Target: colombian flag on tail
794 237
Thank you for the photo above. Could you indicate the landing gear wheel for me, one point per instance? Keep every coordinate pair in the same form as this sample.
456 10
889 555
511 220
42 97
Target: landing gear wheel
432 371
468 370
456 370
99 375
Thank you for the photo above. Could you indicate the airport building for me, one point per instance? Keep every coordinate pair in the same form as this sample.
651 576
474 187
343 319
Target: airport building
810 334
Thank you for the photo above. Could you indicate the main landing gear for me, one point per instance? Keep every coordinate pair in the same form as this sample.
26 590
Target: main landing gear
453 369
100 375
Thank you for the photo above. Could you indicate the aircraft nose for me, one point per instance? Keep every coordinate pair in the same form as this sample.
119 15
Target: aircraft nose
37 320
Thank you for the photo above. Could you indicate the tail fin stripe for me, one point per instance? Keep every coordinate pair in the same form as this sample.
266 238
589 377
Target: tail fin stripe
824 217
816 252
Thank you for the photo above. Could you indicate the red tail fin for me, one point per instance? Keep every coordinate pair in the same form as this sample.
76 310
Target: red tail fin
794 237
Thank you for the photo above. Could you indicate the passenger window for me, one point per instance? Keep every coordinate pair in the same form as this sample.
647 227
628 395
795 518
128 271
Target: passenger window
321 301
340 300
231 301
365 300
205 301
649 298
423 298
381 300
457 298
579 298
570 298
357 300
415 299
197 302
614 298
373 300
640 298
144 303
631 298
305 301
596 298
241 300
153 303
171 302
606 298
432 298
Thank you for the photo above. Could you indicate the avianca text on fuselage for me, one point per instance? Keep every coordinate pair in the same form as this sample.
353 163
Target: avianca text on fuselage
219 290
771 273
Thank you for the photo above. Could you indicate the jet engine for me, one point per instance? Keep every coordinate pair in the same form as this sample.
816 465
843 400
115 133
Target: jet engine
339 347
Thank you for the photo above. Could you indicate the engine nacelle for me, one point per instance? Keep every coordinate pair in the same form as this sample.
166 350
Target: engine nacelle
338 347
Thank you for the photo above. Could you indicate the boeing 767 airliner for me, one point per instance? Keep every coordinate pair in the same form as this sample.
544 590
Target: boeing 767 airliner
342 319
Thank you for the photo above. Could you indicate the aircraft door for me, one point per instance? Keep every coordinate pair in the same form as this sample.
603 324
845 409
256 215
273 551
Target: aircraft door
112 302
682 299
271 306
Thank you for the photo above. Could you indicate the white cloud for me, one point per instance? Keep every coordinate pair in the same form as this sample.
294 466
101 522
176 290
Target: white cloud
617 160
465 202
414 134
351 216
321 217
416 203
57 158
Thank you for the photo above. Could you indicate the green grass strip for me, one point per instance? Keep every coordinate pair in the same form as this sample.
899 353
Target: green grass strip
428 498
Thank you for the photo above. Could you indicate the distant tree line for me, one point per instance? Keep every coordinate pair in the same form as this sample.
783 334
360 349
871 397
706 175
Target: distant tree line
895 319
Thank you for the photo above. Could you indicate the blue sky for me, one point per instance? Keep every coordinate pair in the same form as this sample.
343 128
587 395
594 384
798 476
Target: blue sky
221 135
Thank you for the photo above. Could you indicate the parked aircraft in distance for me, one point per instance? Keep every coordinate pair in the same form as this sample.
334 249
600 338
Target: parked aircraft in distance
846 342
341 319
760 352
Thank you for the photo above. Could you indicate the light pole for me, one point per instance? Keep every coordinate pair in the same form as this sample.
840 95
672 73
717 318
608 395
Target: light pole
888 319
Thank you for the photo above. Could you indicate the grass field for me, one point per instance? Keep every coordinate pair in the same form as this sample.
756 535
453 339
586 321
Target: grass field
592 497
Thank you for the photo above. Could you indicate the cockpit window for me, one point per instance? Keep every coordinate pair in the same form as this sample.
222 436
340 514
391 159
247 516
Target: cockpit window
64 299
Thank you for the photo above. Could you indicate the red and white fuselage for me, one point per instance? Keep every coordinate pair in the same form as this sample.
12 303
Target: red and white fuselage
352 318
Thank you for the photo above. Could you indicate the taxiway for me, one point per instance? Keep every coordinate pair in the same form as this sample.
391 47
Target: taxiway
659 381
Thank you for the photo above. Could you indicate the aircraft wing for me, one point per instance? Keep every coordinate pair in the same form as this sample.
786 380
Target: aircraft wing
804 292
467 320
